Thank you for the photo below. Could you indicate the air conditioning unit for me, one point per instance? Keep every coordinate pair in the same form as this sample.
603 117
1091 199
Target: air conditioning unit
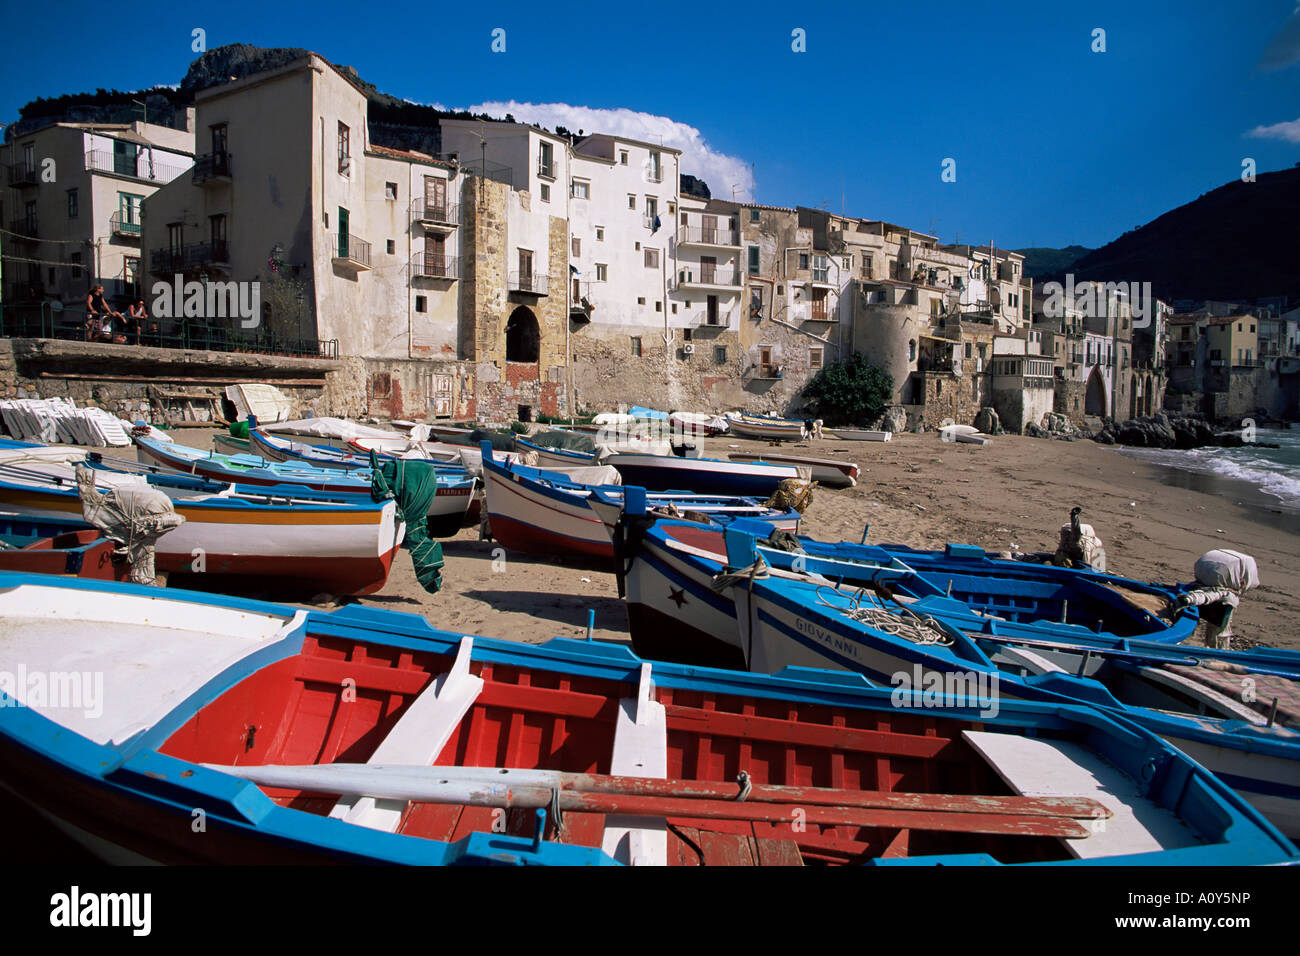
688 348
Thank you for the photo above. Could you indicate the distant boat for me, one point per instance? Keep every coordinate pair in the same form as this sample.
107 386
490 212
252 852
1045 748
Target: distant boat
368 736
706 476
451 507
859 434
761 427
825 471
534 511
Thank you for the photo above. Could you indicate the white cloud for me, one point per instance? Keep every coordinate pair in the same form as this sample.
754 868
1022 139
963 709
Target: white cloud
1289 131
719 170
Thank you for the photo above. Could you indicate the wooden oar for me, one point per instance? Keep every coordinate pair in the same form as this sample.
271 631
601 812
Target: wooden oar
660 797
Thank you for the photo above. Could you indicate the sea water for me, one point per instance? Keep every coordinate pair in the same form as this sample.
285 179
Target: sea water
1274 471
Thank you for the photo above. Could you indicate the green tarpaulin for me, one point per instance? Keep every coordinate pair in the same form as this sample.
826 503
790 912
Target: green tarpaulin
412 484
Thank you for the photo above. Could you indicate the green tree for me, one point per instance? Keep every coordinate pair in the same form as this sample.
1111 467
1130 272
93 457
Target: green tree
850 392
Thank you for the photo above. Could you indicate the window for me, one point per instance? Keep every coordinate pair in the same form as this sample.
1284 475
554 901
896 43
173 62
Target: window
674 305
652 258
655 168
546 161
174 244
968 350
1252 327
686 219
622 161
815 358
600 233
686 335
636 341
390 190
345 148
392 247
651 207
419 303
581 189
847 263
576 247
821 269
220 139
128 209
602 272
659 306
820 303
545 193
1238 326
756 303
631 201
217 230
911 350
753 260
74 259
719 355
525 264
803 260
640 300
866 266
72 204
755 215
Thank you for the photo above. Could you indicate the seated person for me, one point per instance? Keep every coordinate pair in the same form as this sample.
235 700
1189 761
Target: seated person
99 316
135 319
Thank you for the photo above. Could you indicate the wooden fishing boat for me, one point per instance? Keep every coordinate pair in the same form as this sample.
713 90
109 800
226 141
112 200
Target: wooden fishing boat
453 506
895 620
408 448
706 476
365 735
859 434
54 546
299 539
765 428
695 423
536 511
824 471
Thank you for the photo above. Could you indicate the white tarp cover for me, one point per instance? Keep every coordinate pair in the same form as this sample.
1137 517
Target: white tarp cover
588 474
329 428
1222 568
267 402
133 512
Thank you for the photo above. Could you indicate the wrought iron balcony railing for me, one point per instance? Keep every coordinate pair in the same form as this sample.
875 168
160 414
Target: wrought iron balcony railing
144 167
124 227
442 214
211 167
433 266
21 174
349 247
534 283
193 255
706 276
707 236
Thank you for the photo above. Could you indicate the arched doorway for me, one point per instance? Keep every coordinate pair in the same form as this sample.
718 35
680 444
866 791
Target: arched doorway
1094 402
523 336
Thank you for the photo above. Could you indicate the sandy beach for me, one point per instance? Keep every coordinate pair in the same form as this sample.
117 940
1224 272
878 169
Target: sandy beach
1013 493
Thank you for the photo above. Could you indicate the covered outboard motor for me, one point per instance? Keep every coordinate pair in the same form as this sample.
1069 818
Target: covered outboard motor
1224 575
136 514
1078 545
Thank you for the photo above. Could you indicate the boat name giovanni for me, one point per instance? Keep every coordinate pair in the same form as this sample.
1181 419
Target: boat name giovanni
824 637
948 689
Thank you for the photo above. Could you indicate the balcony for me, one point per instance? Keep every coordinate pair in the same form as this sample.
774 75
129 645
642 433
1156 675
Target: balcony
433 266
763 373
143 167
437 217
350 252
21 174
124 228
212 168
194 255
24 228
529 283
580 306
708 236
706 277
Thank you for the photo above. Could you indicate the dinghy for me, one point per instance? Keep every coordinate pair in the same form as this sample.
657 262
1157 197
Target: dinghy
705 476
366 735
859 434
295 538
824 471
55 546
537 511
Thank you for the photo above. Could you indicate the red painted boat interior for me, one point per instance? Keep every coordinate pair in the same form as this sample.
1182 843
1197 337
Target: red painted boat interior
298 711
699 536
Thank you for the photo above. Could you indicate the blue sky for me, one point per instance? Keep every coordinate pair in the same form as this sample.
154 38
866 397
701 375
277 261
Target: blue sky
1054 143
